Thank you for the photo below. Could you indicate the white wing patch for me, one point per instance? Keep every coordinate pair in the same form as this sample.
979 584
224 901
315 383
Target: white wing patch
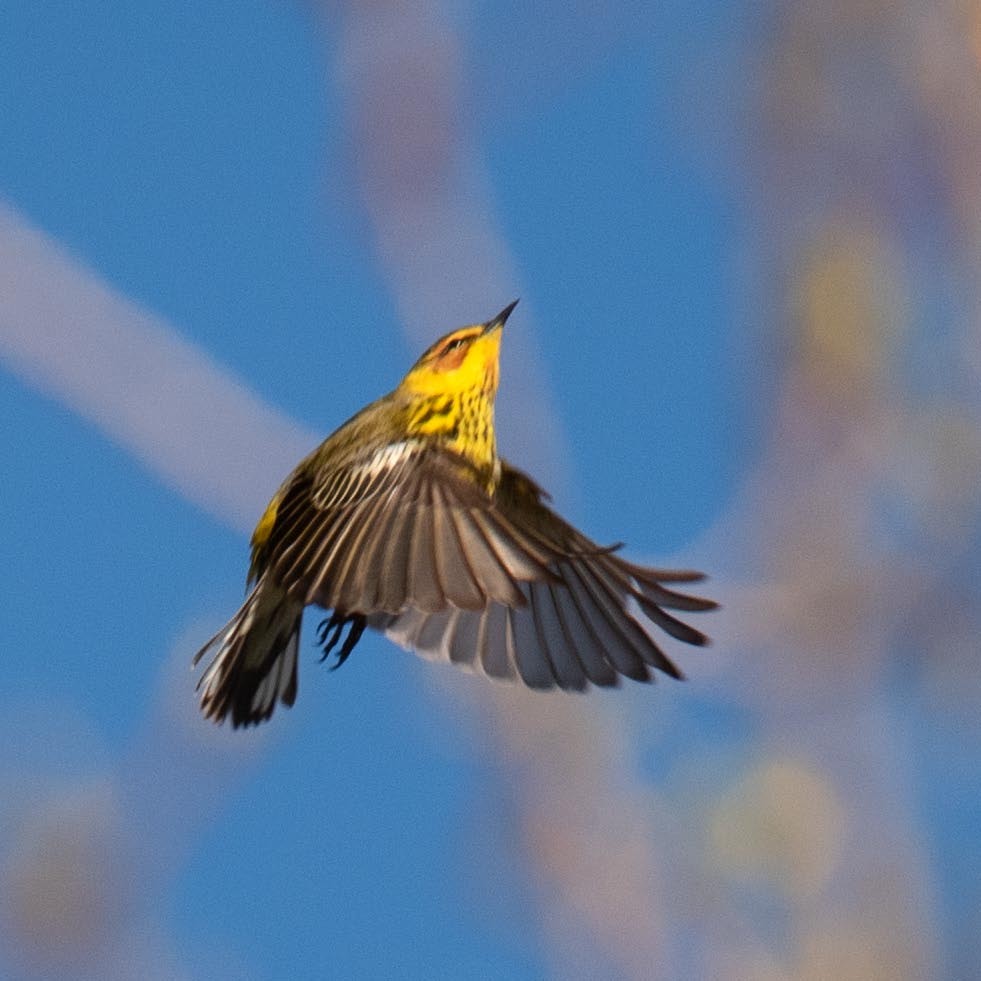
365 477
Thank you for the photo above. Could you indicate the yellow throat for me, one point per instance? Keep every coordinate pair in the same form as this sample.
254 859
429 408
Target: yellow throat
451 389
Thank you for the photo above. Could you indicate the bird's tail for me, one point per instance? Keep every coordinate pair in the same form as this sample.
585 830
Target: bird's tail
255 658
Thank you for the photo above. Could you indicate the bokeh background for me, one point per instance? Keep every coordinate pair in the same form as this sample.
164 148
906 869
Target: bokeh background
747 238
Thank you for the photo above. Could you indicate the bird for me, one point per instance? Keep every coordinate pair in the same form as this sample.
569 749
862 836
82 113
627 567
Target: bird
406 521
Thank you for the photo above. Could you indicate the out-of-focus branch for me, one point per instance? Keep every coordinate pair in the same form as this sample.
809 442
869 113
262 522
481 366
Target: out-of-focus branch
85 857
418 169
200 430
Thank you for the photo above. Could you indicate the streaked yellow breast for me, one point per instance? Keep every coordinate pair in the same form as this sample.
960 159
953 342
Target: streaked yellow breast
462 422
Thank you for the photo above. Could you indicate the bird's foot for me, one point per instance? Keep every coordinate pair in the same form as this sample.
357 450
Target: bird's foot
329 634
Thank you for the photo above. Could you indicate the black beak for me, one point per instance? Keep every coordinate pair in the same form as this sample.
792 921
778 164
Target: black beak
501 319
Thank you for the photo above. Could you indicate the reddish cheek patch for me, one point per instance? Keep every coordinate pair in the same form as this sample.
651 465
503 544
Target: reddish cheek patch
451 360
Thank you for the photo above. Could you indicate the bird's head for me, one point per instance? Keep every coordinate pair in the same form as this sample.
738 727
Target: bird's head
464 360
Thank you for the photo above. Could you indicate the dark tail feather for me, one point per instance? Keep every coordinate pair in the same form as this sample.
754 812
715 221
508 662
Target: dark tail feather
254 665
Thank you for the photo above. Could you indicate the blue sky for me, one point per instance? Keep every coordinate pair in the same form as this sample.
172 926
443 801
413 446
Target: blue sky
196 159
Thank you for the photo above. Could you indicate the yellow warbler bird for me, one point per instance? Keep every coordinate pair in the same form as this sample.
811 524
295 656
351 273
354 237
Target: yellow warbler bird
407 521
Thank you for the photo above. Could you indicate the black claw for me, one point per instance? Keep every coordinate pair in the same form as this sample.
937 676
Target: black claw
329 634
353 636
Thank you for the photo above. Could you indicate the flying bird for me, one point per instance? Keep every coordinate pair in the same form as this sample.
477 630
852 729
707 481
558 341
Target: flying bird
407 521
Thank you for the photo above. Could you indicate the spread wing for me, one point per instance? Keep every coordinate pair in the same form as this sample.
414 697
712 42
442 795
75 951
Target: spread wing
408 538
407 526
587 619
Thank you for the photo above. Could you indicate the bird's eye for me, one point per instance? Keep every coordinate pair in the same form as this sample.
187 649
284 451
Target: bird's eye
455 344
